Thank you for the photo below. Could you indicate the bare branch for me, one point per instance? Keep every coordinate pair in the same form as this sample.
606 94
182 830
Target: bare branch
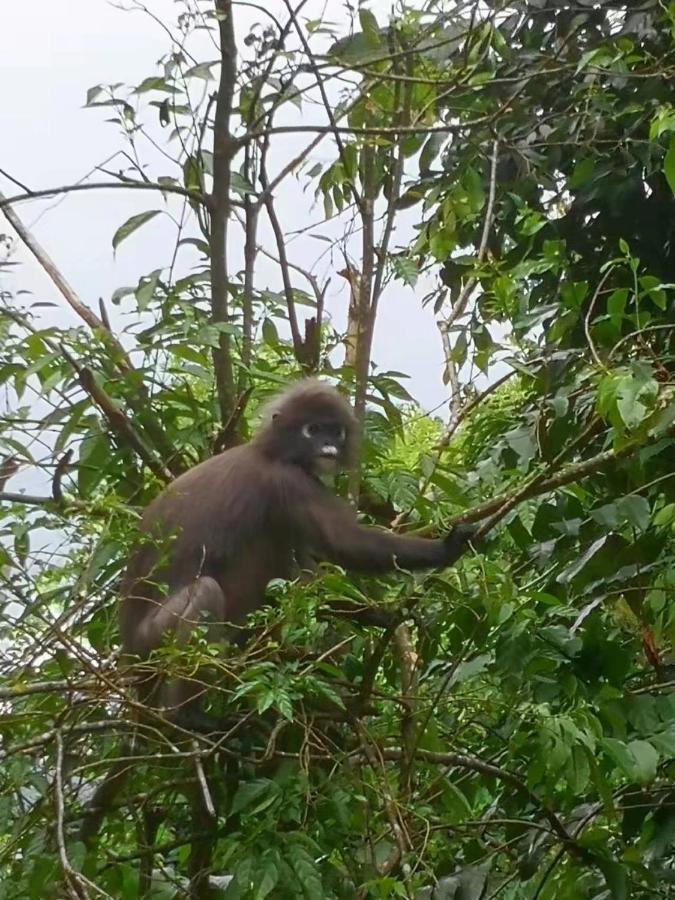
26 499
224 148
59 472
364 313
127 183
252 212
76 883
283 263
408 659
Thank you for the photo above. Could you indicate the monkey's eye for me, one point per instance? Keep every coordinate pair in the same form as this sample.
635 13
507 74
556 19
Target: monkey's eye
311 430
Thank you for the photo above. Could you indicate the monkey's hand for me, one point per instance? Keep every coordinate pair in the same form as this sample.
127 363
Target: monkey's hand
457 542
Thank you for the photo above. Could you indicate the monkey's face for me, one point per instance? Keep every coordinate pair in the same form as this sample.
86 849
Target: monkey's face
311 427
317 442
323 445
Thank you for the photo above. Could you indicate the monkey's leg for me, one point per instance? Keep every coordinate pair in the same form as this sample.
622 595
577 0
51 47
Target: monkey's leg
202 845
151 819
104 795
181 611
200 602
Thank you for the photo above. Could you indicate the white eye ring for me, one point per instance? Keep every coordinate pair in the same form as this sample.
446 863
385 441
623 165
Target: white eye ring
306 432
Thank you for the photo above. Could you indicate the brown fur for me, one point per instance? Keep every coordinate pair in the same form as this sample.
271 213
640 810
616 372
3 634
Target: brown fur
222 531
215 537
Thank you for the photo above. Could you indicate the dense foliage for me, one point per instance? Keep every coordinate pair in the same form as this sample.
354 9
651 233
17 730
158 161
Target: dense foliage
511 732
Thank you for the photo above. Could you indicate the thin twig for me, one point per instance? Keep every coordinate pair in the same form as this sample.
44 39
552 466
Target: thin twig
59 472
203 784
76 883
117 419
128 183
587 321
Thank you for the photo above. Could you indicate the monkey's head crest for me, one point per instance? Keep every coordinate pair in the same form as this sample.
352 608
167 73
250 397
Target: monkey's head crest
310 425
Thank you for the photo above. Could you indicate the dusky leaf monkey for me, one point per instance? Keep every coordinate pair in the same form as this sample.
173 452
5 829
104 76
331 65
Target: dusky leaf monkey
216 536
223 530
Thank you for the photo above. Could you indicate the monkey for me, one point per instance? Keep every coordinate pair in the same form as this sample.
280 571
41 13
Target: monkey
216 536
254 513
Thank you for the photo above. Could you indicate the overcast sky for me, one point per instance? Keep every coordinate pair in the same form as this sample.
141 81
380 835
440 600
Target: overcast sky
51 54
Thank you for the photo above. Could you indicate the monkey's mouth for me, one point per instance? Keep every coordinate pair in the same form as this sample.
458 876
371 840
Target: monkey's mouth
328 452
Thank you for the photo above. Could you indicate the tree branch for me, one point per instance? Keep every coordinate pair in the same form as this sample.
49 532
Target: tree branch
472 763
224 149
118 421
500 506
129 184
100 327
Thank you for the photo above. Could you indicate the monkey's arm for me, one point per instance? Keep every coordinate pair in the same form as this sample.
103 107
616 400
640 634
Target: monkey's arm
328 527
366 549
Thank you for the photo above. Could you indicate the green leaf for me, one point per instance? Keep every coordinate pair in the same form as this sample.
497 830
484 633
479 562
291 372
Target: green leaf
146 289
654 289
192 174
669 164
154 83
202 70
616 303
356 48
615 877
583 172
430 151
306 871
646 761
665 516
370 27
620 755
270 333
248 793
240 185
284 705
131 225
521 441
406 268
267 879
664 741
636 510
120 293
635 395
94 453
471 668
93 93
